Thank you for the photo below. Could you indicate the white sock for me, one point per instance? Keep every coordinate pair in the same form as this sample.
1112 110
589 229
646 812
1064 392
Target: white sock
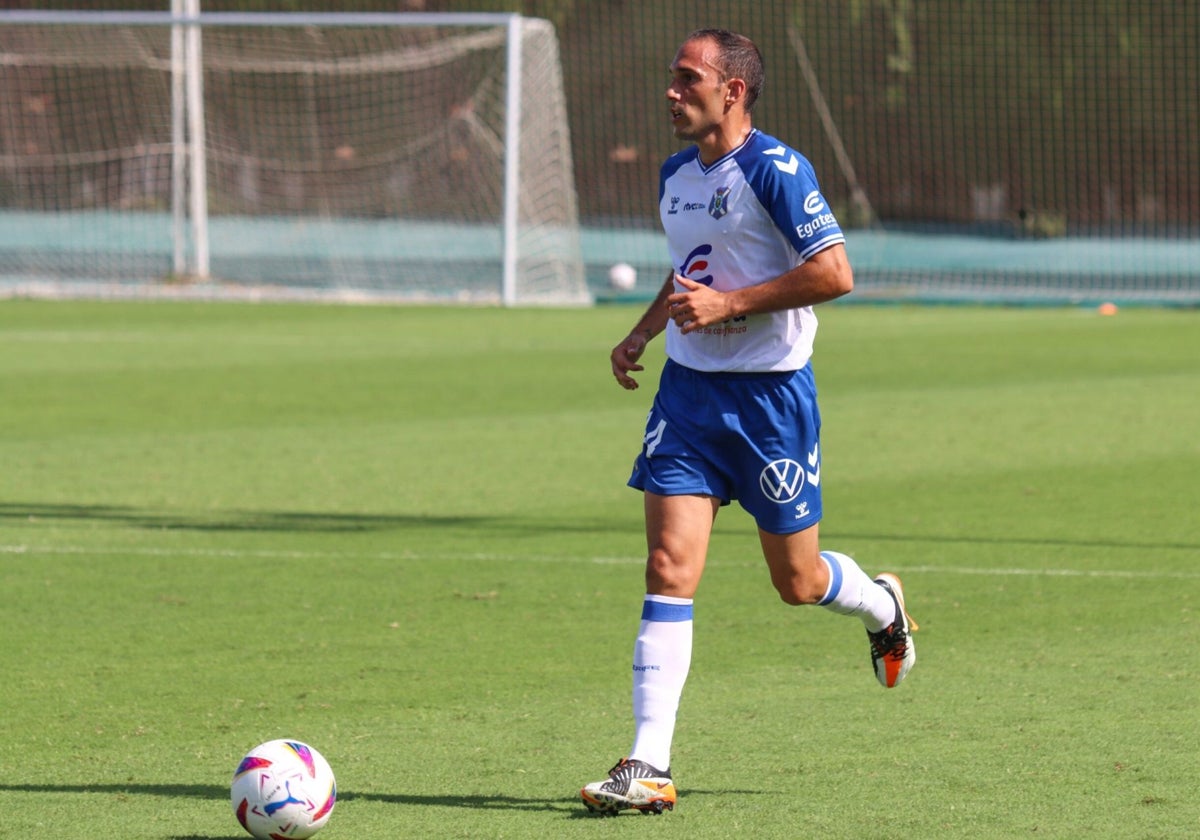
851 592
662 656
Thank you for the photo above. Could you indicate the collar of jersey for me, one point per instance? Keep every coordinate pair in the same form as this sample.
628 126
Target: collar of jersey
727 155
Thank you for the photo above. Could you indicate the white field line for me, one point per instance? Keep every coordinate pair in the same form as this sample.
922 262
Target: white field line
270 554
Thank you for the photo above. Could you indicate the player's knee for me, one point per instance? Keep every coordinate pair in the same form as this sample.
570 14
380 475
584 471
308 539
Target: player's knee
669 575
797 591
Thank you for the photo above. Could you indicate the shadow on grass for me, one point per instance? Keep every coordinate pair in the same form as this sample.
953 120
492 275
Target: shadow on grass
221 793
280 521
235 521
569 805
194 791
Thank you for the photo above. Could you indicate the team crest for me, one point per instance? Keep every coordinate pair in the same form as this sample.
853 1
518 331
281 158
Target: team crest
718 207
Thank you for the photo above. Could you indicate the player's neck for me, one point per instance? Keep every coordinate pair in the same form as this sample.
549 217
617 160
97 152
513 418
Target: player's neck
723 140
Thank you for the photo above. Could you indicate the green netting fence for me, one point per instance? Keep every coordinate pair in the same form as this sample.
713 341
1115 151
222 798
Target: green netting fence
1008 150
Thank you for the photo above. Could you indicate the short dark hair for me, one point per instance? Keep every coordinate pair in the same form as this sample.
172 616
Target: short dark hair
738 58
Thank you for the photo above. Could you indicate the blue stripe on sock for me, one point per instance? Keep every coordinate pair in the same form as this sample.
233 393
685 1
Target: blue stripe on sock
658 611
835 579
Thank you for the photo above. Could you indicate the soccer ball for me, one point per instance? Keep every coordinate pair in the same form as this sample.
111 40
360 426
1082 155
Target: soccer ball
283 790
622 277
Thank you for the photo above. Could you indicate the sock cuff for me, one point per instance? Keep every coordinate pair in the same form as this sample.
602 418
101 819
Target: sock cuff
835 578
666 608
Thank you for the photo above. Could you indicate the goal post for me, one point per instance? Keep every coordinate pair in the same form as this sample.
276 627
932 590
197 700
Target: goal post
406 156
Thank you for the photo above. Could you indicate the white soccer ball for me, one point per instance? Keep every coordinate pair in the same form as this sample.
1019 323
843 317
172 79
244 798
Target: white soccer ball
622 277
283 789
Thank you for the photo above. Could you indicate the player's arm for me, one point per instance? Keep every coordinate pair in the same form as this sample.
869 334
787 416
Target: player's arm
824 276
625 355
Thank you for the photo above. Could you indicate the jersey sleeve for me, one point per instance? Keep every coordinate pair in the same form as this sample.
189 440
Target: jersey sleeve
786 186
671 166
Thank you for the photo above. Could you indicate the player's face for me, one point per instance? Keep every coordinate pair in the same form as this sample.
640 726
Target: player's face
697 96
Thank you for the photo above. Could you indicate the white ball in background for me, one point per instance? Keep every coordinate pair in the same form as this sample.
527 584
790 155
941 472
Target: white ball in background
622 277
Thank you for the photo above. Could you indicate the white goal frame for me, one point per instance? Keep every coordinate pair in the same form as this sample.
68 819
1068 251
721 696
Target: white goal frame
189 207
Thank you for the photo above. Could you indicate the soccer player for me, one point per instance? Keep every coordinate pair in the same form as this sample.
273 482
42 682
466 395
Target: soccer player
754 247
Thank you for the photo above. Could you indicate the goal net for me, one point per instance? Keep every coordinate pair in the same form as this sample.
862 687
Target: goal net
403 157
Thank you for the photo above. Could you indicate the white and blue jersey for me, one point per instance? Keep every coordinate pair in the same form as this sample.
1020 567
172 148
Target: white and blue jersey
749 217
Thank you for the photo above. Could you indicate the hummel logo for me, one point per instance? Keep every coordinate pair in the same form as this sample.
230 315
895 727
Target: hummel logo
790 167
793 163
654 438
813 473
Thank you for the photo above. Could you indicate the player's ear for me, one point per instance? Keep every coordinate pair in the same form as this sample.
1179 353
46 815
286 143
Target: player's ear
736 91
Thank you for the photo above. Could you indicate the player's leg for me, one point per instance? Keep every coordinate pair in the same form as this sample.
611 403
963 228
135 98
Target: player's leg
677 536
803 574
678 529
778 477
798 573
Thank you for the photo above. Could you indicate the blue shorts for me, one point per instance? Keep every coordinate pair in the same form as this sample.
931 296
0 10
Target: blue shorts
754 437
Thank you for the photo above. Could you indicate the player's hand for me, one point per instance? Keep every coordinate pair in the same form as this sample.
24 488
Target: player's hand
697 307
625 357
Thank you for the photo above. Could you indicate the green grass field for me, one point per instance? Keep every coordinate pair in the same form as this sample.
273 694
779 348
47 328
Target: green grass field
403 535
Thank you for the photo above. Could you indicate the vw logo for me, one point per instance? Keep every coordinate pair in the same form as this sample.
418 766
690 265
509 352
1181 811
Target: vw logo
782 480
